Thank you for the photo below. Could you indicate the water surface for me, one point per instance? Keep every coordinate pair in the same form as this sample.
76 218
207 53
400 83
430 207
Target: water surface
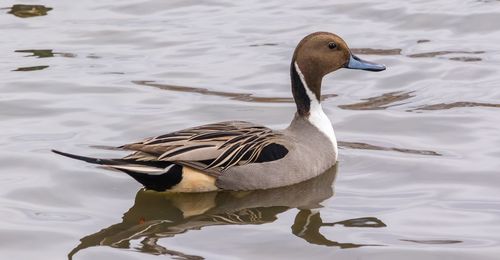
418 172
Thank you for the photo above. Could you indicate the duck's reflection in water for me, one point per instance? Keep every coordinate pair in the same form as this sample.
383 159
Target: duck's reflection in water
156 215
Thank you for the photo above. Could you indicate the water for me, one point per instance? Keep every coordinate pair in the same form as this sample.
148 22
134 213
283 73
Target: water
418 172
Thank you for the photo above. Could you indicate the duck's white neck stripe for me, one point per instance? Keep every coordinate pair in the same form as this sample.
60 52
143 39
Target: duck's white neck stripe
316 116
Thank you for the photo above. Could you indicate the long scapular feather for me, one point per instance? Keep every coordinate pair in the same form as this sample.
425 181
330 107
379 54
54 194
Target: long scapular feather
182 150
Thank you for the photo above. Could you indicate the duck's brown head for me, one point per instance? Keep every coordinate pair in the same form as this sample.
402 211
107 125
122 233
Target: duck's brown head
315 56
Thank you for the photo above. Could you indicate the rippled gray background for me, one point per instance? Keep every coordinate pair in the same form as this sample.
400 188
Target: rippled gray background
420 142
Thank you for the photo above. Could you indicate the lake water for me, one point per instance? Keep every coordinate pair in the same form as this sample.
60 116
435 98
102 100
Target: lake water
419 170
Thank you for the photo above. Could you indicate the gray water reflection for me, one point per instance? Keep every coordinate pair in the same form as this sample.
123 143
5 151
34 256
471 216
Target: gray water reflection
32 68
432 54
433 242
26 11
444 106
38 53
247 97
383 101
441 53
46 53
371 51
365 146
156 216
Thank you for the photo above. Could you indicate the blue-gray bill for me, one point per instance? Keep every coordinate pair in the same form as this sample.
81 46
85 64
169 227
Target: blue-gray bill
359 64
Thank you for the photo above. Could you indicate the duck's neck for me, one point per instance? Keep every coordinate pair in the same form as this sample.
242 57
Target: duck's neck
302 94
308 102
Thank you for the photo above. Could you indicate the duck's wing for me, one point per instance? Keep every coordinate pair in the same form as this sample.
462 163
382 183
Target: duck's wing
211 148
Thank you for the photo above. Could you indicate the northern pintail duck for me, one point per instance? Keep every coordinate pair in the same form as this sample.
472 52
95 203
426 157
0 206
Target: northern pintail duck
237 155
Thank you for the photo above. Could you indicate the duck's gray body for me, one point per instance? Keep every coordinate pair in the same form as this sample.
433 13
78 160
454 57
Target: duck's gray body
310 153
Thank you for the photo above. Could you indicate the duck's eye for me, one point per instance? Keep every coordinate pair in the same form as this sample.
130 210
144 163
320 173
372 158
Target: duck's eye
332 45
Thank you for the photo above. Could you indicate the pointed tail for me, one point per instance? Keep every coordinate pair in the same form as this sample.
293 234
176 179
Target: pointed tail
89 159
155 175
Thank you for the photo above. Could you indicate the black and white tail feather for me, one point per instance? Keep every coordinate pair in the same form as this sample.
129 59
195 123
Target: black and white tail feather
154 176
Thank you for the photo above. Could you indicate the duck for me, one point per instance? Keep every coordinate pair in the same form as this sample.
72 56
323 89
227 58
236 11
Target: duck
244 156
